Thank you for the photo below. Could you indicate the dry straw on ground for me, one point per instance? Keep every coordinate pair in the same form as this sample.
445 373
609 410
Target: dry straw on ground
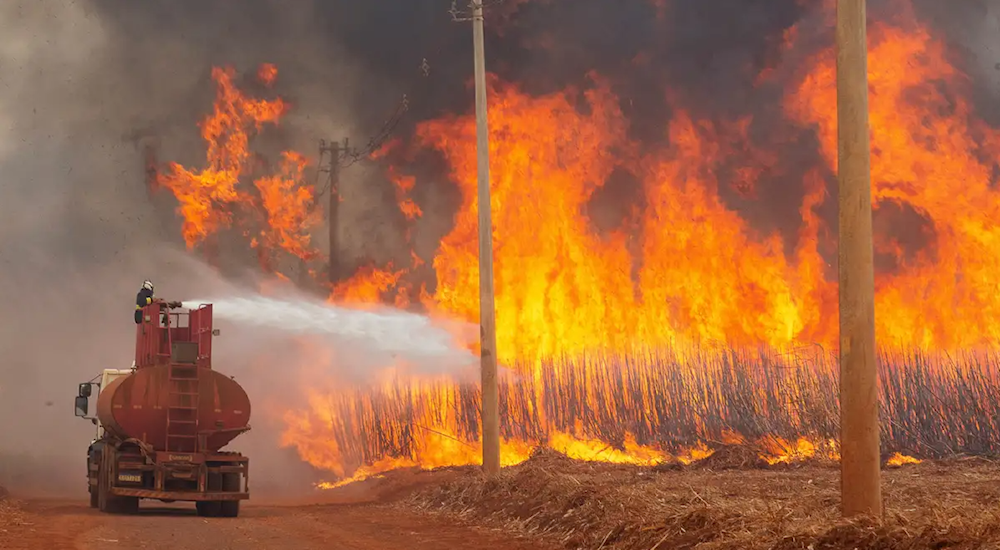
11 514
954 504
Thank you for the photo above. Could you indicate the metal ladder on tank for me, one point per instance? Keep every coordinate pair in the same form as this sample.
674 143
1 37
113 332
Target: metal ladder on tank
182 412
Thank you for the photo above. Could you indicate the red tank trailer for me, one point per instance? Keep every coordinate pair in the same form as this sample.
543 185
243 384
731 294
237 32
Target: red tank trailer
162 423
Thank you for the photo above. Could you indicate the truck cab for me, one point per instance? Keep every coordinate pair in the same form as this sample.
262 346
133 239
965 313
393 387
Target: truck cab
82 402
81 408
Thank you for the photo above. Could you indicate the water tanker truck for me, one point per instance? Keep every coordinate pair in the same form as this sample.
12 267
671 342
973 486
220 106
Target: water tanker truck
162 423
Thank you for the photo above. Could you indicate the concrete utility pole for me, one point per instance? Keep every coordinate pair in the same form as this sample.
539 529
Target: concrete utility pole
861 492
487 313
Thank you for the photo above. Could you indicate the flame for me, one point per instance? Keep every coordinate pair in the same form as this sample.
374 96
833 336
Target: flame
930 155
704 274
267 73
898 459
404 184
203 195
801 449
700 275
367 286
624 344
288 204
703 277
551 272
209 198
599 451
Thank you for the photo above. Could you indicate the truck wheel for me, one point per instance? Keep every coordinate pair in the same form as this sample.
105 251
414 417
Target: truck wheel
230 508
208 508
91 486
230 484
127 505
106 502
104 498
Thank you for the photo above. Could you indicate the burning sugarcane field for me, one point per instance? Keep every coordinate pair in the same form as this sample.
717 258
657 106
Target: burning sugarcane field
663 180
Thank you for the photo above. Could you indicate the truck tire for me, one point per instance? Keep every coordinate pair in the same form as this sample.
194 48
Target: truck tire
229 509
127 505
106 502
230 484
91 487
103 484
210 508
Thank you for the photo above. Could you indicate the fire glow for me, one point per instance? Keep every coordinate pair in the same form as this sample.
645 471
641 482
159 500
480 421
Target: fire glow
686 329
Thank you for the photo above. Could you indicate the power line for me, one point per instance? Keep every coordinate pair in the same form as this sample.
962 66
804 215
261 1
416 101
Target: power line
349 156
379 139
416 91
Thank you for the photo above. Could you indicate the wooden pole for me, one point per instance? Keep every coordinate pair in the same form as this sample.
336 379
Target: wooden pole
333 214
487 313
859 421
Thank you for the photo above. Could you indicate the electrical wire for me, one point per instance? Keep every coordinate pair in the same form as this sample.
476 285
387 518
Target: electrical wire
417 88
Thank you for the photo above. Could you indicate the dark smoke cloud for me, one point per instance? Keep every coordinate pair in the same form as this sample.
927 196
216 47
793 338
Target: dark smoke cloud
973 31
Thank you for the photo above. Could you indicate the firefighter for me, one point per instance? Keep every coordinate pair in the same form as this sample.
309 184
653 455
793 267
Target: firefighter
143 299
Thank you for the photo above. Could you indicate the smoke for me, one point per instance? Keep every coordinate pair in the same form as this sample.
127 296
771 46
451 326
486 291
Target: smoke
79 232
973 28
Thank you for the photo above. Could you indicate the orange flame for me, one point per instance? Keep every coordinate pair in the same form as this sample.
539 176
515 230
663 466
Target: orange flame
685 272
288 204
898 459
203 195
209 198
267 73
700 274
368 286
931 156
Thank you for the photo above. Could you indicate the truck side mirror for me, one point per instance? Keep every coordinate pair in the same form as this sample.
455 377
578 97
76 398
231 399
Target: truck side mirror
84 390
216 332
81 406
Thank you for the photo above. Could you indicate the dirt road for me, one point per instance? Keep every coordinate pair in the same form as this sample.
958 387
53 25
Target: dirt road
61 525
